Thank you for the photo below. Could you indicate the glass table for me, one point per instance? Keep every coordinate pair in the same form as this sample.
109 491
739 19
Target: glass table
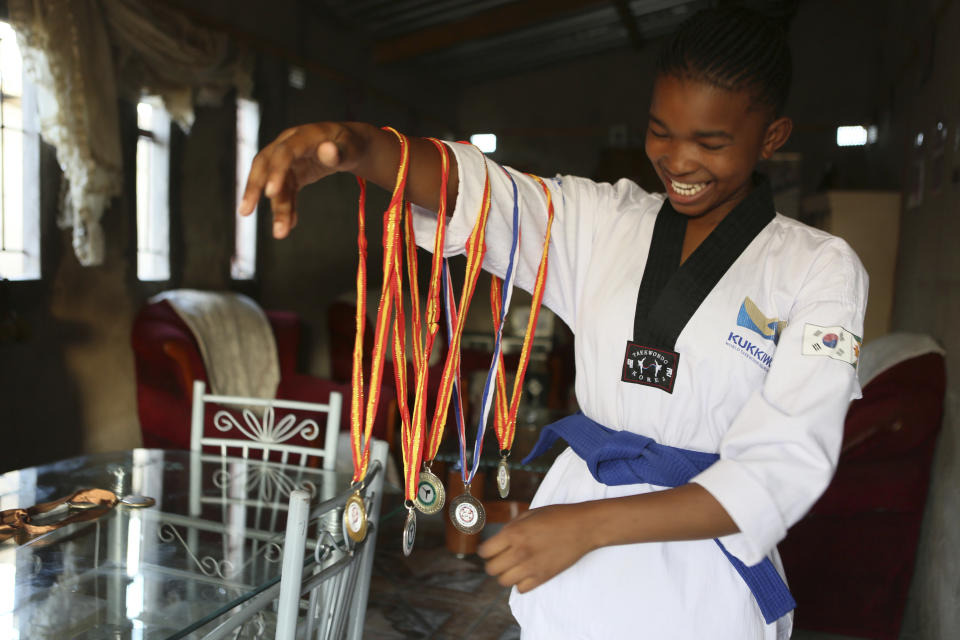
212 541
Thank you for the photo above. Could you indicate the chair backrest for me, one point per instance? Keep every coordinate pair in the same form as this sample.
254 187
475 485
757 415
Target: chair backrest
265 433
338 581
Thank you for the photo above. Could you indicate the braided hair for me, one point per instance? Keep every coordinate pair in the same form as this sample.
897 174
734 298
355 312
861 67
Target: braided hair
732 48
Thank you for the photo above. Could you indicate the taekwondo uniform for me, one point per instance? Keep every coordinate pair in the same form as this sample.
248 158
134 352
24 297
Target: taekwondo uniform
761 371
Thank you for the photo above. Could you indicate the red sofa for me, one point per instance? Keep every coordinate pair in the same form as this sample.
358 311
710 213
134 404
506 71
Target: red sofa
849 562
167 361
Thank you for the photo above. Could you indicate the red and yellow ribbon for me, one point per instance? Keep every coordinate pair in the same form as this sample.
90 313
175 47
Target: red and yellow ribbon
361 418
505 418
475 248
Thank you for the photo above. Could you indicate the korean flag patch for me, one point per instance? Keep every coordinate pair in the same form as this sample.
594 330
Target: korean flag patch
833 342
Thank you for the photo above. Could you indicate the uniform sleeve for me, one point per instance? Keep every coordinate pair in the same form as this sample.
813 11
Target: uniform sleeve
578 206
781 451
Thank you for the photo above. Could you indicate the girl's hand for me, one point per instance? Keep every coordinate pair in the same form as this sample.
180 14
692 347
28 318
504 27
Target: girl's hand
538 545
305 154
298 157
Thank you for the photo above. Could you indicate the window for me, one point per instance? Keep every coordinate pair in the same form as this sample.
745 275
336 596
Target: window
153 192
19 166
486 142
856 136
243 265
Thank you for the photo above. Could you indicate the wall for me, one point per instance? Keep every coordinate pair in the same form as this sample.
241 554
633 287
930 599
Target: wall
925 89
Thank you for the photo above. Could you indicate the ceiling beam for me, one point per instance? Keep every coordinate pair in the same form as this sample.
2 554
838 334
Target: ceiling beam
485 24
629 23
280 51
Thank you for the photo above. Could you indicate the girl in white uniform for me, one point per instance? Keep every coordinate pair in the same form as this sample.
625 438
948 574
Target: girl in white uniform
719 331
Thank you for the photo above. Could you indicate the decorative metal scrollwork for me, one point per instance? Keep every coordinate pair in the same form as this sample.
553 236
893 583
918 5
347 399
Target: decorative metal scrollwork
271 551
269 477
267 431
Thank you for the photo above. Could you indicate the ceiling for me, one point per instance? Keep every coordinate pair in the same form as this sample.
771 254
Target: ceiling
470 39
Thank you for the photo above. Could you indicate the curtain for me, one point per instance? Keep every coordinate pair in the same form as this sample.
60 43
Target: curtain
83 55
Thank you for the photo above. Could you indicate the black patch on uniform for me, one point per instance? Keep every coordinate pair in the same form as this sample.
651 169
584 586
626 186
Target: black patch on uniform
650 367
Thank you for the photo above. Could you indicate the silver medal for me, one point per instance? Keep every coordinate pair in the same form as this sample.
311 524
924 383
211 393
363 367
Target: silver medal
409 532
503 478
430 493
467 514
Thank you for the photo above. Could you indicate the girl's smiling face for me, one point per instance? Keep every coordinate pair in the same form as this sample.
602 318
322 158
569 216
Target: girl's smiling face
704 143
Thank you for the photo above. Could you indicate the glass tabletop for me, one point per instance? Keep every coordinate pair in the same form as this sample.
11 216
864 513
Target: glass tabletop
211 541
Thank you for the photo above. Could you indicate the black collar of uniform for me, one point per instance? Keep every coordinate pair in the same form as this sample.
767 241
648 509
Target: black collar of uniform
670 292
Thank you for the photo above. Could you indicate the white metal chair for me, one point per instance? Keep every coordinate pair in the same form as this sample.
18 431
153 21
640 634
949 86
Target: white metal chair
265 434
338 581
251 491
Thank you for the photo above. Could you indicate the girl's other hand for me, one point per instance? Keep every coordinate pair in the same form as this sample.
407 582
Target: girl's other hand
537 545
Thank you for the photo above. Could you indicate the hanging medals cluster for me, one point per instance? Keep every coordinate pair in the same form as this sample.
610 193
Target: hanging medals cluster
423 490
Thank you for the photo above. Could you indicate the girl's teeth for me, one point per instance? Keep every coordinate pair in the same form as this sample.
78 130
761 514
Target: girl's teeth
685 189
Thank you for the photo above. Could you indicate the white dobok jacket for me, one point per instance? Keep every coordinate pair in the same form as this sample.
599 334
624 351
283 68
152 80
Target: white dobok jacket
766 373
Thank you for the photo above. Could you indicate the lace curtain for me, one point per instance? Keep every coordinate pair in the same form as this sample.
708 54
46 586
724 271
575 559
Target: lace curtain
82 55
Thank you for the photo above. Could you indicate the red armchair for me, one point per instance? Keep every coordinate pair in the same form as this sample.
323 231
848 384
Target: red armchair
851 559
167 361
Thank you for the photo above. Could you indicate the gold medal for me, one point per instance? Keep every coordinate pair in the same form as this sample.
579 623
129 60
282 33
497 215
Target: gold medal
467 514
409 531
355 518
430 493
503 478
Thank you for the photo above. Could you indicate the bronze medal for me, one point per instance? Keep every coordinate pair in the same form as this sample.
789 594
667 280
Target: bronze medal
467 514
409 532
355 518
430 493
503 478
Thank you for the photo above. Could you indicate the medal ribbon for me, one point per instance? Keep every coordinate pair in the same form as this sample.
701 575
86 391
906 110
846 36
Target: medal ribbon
360 418
505 419
456 317
412 435
500 306
450 313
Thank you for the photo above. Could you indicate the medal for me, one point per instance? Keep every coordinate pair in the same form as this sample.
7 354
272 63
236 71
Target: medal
430 493
467 514
355 518
503 478
409 531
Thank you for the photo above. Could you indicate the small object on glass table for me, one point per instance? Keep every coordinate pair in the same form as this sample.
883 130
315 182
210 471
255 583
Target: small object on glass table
136 502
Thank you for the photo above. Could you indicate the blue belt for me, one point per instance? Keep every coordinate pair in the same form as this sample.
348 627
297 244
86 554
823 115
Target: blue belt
621 457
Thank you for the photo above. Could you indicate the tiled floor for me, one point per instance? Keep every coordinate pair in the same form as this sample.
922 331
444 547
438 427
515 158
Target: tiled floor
432 593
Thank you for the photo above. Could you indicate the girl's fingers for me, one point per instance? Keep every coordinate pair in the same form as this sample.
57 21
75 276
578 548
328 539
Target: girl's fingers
515 575
528 584
283 206
279 166
493 546
503 562
255 181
